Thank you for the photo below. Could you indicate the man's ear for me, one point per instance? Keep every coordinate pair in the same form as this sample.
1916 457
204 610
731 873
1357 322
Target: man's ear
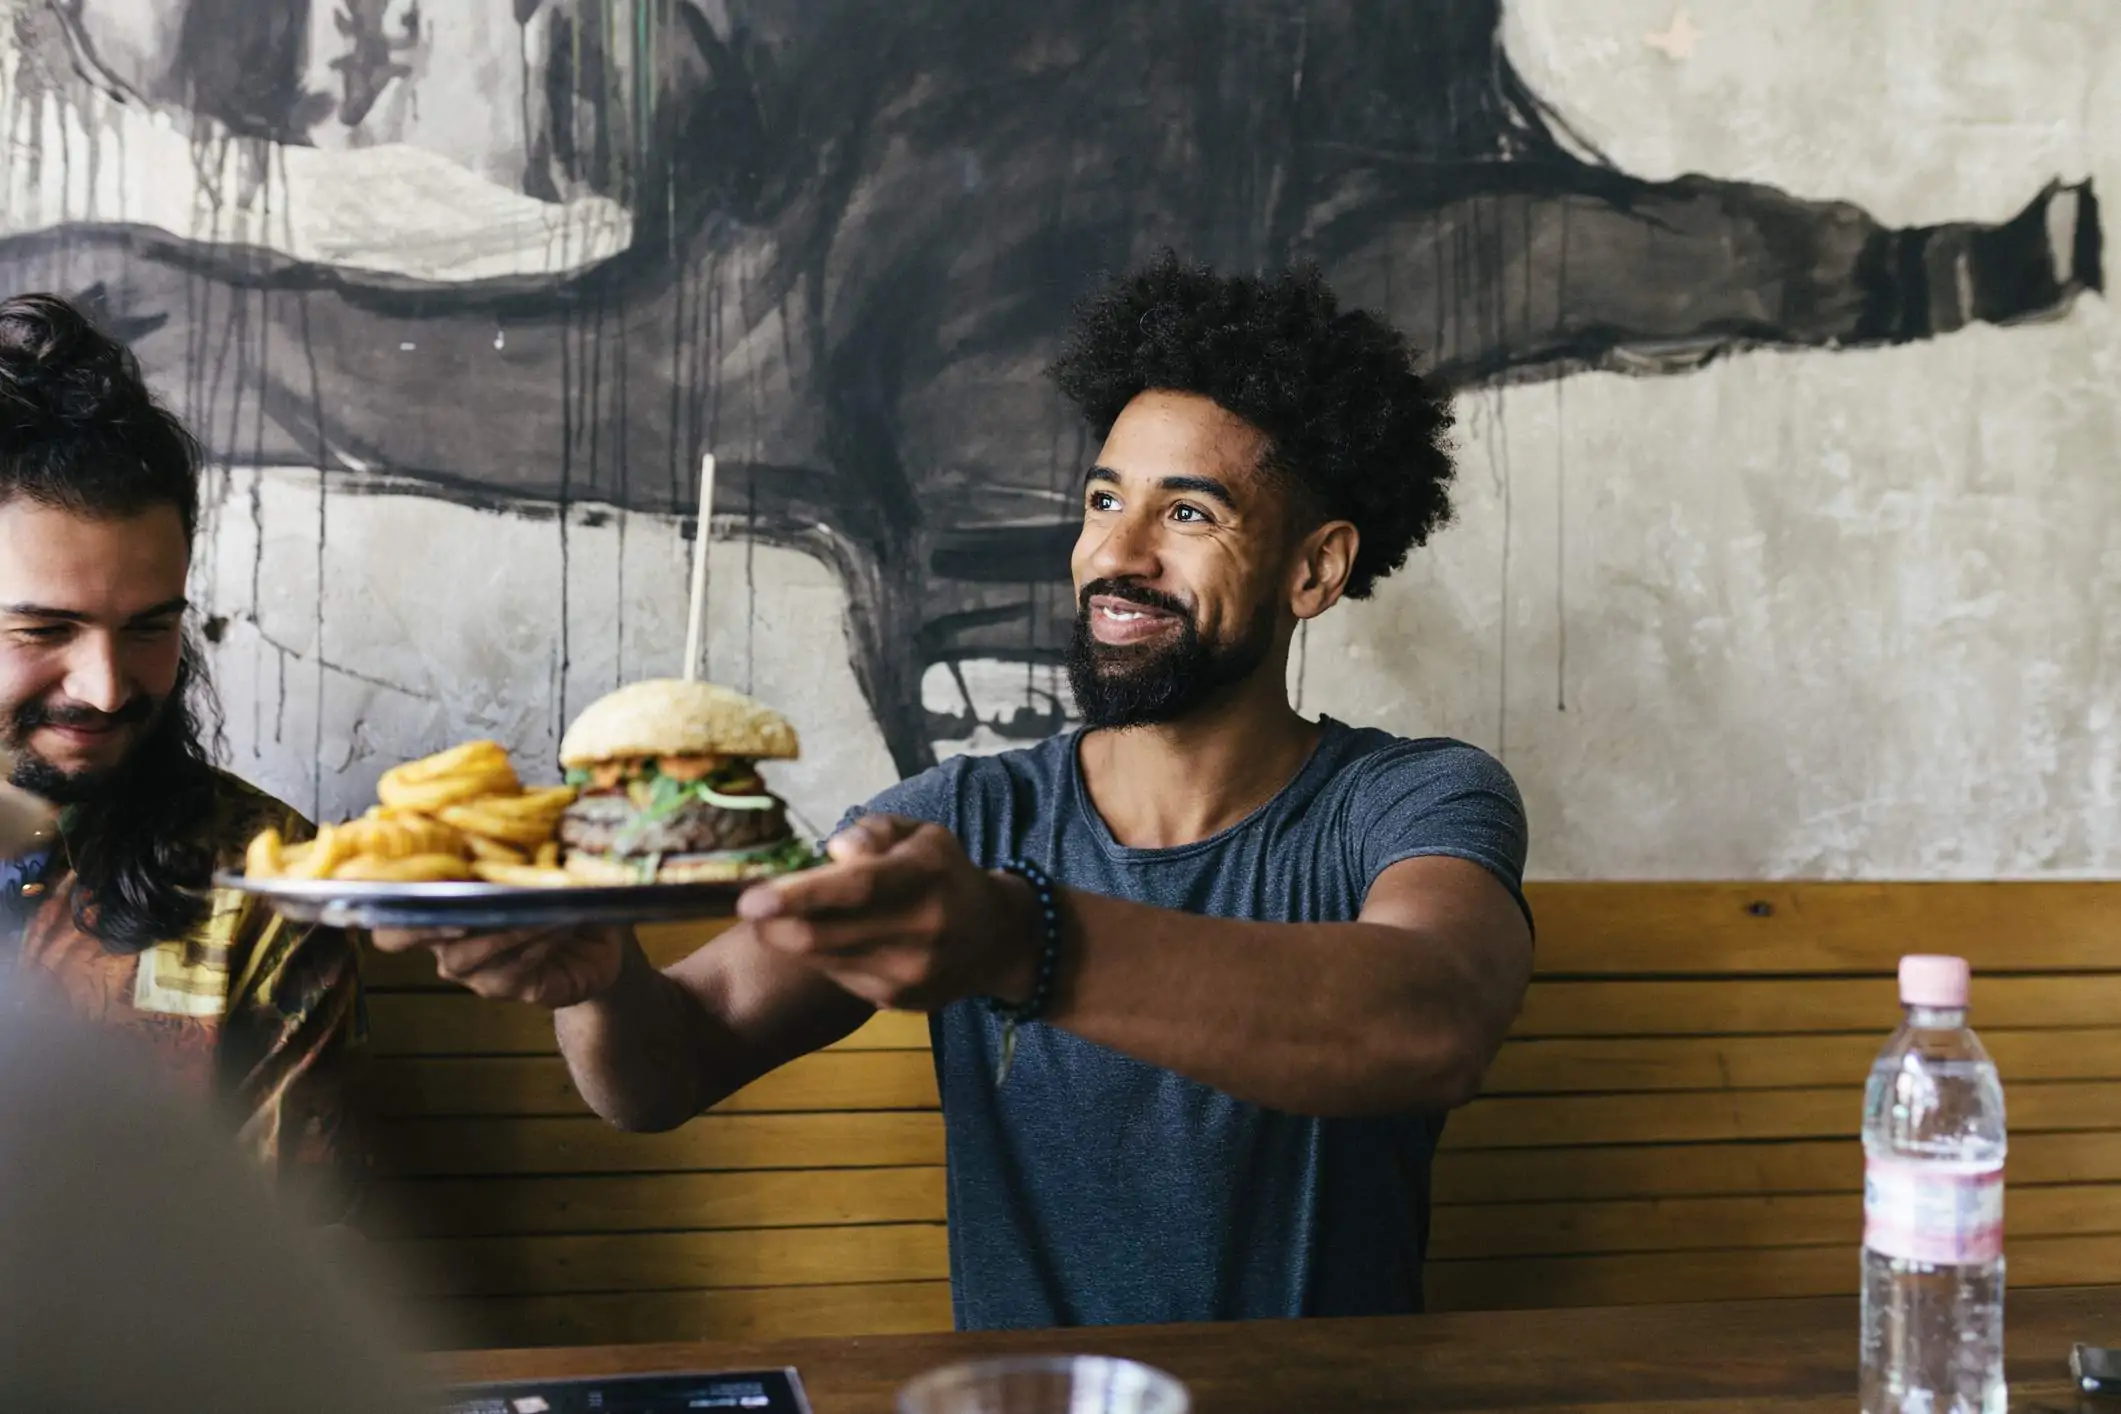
1319 573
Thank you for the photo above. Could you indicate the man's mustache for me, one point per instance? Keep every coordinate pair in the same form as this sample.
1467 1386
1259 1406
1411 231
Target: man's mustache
1140 594
32 715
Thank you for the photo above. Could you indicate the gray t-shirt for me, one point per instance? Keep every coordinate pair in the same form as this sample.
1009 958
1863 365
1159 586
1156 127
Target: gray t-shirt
1094 1189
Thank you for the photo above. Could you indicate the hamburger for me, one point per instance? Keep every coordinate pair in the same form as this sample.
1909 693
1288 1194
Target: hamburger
670 791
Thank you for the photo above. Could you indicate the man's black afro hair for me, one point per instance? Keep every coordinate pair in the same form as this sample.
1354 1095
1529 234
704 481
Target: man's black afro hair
1346 413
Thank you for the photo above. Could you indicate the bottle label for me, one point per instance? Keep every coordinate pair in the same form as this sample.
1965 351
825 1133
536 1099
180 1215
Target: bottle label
1939 1212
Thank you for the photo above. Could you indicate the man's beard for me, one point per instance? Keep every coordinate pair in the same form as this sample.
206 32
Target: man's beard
1139 685
167 733
140 840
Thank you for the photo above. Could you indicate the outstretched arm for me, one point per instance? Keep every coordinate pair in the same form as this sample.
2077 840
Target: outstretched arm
1400 1010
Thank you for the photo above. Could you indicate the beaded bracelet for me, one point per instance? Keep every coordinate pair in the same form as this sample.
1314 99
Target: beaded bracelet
1042 988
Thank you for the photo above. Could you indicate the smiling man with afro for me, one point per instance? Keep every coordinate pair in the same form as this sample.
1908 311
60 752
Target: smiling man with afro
1203 974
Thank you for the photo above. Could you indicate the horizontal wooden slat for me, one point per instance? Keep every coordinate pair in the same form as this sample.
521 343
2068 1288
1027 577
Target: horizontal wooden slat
664 943
493 1207
458 1023
464 1147
1480 1230
1778 1006
1554 1121
1674 1170
1742 927
395 972
1694 1224
630 1318
539 1085
1638 1277
1576 1065
657 1261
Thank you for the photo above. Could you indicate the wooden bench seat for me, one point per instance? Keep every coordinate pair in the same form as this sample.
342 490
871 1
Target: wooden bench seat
1674 1117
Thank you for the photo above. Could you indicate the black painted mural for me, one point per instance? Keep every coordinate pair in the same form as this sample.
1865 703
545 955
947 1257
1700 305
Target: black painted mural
857 231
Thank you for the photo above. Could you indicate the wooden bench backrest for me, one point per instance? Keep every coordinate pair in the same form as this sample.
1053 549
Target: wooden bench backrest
1674 1117
1676 1114
809 1204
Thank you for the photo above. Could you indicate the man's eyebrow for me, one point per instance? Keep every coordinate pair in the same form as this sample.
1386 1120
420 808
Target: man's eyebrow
162 610
1200 485
44 611
168 608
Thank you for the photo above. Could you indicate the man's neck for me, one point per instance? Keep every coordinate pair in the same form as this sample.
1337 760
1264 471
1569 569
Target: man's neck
1172 784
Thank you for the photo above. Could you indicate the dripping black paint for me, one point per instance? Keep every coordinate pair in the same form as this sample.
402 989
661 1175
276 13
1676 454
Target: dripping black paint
914 194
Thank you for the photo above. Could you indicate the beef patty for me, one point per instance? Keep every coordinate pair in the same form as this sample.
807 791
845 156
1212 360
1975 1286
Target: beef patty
608 823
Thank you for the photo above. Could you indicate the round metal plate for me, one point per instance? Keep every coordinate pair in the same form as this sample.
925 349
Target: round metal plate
341 904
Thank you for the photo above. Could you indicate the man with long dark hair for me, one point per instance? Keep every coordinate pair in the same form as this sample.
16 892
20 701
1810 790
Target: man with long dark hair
105 711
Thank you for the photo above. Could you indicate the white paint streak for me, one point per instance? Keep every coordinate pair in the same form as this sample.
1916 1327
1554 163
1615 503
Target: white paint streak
392 208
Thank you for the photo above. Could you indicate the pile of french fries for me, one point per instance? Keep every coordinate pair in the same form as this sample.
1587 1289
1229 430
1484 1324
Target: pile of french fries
459 815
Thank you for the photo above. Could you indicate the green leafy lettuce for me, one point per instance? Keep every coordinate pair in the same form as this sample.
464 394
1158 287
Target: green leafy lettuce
657 797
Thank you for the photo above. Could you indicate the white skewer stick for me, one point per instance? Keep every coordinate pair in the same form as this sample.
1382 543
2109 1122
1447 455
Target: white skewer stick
696 623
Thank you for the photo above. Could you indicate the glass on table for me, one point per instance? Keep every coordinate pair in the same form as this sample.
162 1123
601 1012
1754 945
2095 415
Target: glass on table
1056 1384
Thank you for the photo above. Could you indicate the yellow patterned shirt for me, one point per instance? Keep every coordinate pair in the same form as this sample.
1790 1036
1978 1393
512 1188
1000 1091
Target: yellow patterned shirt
262 1015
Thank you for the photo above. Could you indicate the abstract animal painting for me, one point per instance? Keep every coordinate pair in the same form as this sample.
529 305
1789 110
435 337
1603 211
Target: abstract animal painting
849 233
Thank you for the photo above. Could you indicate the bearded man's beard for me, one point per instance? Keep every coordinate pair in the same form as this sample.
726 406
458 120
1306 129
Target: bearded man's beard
141 841
39 776
1146 684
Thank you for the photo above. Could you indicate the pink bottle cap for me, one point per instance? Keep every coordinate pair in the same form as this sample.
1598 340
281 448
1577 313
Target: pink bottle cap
1927 979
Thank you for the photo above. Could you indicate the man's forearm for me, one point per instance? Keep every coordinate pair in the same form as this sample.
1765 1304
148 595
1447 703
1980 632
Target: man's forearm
637 1052
656 1048
1325 1018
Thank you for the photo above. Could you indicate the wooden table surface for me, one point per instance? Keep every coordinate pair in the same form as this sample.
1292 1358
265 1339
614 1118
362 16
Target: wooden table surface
1715 1358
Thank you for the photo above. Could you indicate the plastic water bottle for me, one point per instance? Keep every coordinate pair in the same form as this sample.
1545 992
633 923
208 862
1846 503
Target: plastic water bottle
1933 1146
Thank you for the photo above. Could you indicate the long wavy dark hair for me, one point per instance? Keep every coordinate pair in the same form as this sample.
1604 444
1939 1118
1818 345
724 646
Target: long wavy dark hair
141 851
80 431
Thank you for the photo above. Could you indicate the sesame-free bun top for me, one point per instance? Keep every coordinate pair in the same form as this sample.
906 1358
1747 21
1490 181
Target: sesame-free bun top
669 717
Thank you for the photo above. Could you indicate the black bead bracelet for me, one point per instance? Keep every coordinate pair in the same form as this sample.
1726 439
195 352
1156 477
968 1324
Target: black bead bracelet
1034 1006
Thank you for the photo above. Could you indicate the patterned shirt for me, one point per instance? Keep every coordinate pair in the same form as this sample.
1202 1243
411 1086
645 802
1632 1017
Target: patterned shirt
263 1015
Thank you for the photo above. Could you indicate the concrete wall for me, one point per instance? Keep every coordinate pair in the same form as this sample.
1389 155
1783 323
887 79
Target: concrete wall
1831 614
1847 615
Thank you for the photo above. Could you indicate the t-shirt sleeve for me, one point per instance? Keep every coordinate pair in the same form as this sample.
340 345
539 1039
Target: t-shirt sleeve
932 796
1428 798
